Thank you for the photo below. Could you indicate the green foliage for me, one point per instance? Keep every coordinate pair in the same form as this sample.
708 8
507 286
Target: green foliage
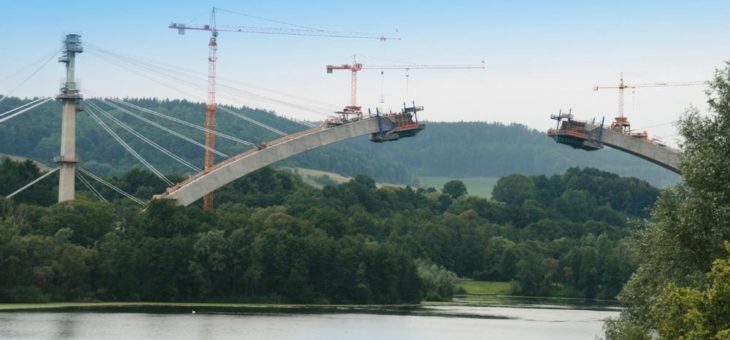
14 175
454 188
274 238
668 293
514 189
439 284
476 186
691 313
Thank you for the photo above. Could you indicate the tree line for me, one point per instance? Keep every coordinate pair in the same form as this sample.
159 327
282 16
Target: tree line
274 238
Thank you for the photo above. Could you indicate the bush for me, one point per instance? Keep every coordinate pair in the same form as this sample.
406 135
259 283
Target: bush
439 284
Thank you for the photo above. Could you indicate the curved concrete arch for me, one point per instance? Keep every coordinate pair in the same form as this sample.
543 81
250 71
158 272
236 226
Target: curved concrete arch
242 164
591 137
658 154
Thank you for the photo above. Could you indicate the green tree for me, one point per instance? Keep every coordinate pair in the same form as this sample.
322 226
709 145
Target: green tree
692 313
689 223
439 283
514 189
454 188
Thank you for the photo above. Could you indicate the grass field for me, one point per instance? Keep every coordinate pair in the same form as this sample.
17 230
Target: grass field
477 186
313 177
473 287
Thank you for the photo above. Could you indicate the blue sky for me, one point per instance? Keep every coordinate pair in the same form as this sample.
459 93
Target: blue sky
540 56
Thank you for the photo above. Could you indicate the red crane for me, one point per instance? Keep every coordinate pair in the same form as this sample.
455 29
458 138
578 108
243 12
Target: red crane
210 110
621 122
356 67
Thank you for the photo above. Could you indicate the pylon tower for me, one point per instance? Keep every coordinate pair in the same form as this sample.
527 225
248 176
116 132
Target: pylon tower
70 97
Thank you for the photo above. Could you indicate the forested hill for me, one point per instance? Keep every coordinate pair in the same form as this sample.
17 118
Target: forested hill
468 149
36 135
463 149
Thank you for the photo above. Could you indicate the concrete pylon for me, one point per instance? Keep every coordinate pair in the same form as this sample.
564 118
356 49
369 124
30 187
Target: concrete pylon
70 97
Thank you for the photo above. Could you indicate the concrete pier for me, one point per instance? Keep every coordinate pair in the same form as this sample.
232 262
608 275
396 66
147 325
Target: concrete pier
70 97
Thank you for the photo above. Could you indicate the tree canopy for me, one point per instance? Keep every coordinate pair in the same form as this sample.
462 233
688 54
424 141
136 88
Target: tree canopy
669 294
274 238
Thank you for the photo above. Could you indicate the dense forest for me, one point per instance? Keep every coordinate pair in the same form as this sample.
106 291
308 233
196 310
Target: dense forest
274 238
483 149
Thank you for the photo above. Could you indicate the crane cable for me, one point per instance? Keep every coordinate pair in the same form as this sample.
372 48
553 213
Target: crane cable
183 122
251 120
31 183
22 106
194 79
195 85
111 186
13 115
142 137
43 64
91 188
129 148
172 132
148 76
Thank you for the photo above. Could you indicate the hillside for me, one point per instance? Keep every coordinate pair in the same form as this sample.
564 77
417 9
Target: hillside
473 149
455 150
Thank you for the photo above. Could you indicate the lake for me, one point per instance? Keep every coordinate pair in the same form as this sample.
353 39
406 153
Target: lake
445 322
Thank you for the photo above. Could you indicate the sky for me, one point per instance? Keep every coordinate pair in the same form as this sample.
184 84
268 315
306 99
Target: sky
540 56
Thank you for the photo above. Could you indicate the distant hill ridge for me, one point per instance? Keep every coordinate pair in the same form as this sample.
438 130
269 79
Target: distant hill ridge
459 149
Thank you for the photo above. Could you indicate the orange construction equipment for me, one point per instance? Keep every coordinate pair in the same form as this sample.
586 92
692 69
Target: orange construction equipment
210 121
577 134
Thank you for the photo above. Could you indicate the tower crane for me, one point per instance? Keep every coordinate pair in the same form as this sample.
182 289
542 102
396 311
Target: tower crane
214 29
621 123
356 67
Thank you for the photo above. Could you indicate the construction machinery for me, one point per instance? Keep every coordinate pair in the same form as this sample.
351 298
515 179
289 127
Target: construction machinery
404 124
353 111
621 122
214 29
577 134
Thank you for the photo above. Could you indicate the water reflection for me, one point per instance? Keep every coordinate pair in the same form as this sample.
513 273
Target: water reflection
66 325
522 323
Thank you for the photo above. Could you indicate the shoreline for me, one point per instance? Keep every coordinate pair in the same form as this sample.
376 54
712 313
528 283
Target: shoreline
421 309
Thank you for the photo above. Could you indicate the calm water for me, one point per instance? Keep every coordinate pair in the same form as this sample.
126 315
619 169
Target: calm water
523 323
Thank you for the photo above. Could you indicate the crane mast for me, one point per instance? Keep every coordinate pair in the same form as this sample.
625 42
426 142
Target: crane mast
210 111
354 68
621 122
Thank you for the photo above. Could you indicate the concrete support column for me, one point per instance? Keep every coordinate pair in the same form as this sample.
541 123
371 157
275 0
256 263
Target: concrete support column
67 160
70 97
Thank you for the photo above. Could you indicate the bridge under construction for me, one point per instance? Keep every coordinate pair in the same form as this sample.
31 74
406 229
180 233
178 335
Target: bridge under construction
591 136
381 127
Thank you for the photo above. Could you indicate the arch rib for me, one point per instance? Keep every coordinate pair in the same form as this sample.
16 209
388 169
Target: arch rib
242 164
658 154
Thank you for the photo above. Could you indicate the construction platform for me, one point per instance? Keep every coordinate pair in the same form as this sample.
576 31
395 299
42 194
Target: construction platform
591 136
